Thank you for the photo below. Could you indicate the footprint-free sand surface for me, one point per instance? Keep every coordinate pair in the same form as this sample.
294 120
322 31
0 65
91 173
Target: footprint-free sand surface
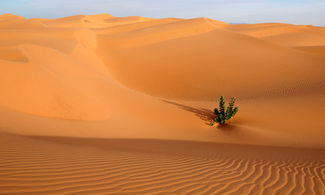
97 104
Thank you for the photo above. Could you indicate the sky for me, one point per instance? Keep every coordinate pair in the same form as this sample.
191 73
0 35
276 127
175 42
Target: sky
231 11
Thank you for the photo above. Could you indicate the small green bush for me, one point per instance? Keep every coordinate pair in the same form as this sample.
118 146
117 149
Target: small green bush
221 115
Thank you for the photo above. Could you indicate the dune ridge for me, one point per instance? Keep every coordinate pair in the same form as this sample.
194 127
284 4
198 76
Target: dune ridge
94 104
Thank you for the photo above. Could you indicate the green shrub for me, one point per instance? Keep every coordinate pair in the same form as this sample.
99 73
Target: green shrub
221 115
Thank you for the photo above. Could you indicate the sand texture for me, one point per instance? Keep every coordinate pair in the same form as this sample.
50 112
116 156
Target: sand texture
98 104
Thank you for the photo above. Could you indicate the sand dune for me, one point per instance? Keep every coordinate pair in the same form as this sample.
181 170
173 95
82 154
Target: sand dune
160 33
93 21
218 53
284 34
94 104
11 22
133 26
305 37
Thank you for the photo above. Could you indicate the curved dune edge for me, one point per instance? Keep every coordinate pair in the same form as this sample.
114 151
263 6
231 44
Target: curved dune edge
50 165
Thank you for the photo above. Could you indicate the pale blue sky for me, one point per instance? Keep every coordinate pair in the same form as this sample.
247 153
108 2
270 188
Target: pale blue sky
232 11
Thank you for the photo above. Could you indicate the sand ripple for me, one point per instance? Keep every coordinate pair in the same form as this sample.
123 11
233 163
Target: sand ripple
34 165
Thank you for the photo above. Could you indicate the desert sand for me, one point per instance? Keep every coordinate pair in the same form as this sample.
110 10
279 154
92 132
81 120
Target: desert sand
97 104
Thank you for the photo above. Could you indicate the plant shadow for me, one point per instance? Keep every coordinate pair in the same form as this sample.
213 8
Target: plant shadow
204 114
226 127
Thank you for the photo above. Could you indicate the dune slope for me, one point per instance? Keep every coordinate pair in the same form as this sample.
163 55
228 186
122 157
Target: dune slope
201 66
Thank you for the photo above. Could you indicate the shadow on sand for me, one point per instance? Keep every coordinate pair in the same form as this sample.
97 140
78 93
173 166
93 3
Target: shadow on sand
226 127
204 114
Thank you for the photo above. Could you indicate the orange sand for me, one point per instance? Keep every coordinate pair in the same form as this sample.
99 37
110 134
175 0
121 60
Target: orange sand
97 104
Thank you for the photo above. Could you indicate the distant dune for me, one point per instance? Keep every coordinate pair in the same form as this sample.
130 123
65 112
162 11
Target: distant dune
99 104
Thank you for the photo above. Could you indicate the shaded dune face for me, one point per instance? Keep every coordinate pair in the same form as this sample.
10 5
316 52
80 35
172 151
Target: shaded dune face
320 50
12 54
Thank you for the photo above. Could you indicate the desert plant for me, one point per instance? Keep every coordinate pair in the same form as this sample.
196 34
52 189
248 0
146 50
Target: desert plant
221 115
